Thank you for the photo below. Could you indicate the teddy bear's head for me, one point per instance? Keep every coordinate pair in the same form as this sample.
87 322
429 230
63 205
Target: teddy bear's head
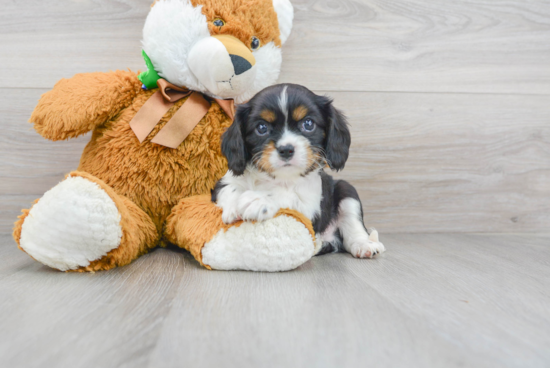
224 48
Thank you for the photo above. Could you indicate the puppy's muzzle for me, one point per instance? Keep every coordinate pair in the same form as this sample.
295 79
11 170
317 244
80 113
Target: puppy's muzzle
286 152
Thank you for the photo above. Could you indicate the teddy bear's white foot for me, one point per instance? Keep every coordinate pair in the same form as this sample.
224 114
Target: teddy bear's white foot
74 223
278 244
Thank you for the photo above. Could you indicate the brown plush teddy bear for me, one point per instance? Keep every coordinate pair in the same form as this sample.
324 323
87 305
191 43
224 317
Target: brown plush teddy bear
156 144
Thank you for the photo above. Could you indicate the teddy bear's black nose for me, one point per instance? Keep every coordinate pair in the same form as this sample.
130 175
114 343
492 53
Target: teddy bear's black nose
240 64
286 152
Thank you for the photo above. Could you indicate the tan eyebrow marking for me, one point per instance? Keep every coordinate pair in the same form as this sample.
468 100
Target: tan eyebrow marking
299 113
268 116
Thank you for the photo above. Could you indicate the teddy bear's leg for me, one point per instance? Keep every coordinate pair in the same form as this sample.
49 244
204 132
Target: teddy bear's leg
82 224
279 244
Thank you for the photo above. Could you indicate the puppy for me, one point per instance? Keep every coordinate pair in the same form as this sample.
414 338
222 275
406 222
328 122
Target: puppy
276 150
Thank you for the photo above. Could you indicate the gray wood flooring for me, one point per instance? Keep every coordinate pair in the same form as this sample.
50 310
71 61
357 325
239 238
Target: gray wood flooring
487 46
449 105
449 101
430 163
433 300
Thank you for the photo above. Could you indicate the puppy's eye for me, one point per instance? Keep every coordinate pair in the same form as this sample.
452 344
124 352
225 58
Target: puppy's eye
255 43
262 129
218 22
308 126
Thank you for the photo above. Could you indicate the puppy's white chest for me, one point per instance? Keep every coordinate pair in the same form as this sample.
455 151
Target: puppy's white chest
256 196
303 195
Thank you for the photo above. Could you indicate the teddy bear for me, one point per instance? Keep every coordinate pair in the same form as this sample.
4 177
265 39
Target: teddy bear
144 178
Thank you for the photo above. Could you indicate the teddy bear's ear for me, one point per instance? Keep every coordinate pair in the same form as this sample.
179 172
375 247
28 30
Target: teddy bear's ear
285 15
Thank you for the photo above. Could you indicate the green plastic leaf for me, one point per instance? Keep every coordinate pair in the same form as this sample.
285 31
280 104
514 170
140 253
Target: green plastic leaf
150 77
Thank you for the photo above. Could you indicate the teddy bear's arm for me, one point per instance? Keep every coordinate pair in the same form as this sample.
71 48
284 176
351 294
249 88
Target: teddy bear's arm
77 105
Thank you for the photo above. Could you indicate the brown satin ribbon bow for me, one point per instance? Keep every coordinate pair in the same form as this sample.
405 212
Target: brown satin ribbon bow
183 121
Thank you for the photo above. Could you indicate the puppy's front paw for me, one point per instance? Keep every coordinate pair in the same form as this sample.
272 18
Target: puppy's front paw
365 248
256 207
230 215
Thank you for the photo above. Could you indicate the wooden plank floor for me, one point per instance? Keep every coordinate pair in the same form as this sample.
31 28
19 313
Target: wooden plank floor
420 162
449 109
433 300
447 100
489 46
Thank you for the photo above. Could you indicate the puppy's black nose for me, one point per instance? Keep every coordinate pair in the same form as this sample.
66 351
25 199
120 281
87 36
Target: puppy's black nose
286 152
240 64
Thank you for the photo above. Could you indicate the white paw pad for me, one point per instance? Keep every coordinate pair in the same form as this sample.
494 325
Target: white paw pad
366 248
256 207
230 215
74 223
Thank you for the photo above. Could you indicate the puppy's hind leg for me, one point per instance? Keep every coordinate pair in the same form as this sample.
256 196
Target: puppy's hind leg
356 238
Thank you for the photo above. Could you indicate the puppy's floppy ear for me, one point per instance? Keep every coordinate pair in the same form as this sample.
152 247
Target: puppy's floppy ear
233 146
338 137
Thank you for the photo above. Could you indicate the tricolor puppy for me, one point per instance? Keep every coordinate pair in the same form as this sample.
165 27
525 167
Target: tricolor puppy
276 150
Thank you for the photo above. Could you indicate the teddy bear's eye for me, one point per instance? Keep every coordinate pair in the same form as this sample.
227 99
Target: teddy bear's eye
255 43
218 22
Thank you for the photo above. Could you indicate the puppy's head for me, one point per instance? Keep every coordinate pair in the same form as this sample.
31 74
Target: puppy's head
286 130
